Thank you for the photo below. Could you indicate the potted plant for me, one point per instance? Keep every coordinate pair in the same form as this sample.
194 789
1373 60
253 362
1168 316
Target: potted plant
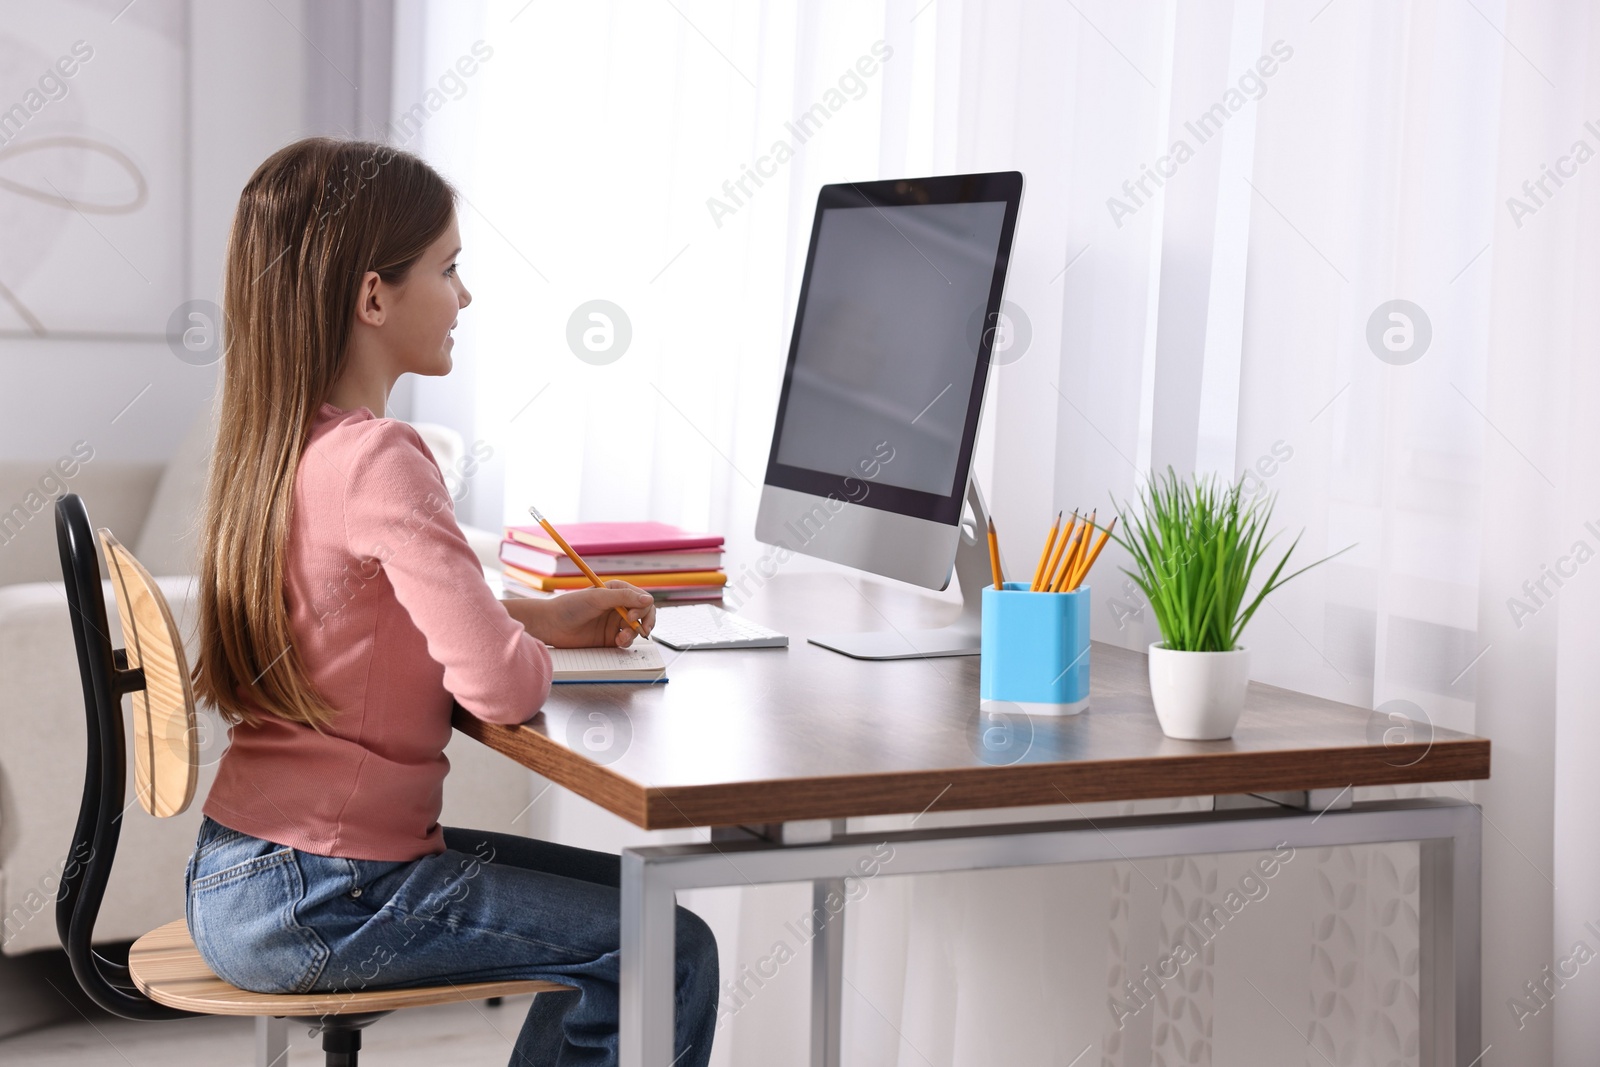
1195 547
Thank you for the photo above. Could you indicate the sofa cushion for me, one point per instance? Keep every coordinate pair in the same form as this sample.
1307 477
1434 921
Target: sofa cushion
166 544
118 496
446 445
169 538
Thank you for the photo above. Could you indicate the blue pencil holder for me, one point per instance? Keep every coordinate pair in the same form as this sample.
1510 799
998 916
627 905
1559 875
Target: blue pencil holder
1034 651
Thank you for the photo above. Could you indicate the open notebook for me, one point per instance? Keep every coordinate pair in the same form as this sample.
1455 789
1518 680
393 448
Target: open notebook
640 662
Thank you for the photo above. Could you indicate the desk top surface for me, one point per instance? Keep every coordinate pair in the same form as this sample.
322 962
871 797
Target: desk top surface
771 735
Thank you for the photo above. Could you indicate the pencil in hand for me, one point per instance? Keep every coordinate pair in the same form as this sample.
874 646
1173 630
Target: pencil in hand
582 566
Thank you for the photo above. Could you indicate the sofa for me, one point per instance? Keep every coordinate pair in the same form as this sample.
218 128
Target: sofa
155 509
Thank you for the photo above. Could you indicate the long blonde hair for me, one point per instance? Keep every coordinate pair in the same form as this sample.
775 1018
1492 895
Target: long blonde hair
312 220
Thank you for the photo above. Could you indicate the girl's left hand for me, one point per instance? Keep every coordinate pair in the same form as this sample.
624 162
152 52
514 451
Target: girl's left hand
585 618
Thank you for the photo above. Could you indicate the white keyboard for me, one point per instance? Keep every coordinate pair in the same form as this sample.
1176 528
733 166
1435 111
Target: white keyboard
686 626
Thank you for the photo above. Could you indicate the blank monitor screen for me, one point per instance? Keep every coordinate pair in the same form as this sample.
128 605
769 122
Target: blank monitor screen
888 344
884 352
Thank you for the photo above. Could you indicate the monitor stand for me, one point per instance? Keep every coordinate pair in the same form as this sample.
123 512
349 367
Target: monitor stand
960 638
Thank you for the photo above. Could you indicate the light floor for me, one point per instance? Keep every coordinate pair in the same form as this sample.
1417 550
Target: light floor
470 1033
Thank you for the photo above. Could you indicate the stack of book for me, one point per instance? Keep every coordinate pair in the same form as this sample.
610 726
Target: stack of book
672 564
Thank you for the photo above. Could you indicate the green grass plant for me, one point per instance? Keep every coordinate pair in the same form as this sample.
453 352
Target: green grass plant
1195 546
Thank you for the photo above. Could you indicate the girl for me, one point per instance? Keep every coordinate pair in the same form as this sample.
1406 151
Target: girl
341 611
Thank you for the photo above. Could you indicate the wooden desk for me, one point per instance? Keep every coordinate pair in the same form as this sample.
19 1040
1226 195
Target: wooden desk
790 742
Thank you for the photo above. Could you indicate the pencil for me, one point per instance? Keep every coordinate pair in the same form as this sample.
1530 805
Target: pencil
1078 556
582 566
1083 570
1063 550
1081 553
1055 557
1058 578
1038 572
994 557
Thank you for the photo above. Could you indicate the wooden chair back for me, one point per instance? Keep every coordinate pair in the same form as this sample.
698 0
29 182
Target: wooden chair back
166 751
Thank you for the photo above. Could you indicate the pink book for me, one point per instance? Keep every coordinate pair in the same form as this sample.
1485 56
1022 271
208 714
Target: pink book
613 538
672 559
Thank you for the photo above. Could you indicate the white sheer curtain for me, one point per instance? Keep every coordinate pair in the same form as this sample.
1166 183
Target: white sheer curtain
1340 156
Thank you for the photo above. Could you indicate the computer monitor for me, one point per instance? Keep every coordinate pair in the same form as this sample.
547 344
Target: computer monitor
884 387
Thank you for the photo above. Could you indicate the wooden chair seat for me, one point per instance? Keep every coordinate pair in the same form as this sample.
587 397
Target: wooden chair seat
168 969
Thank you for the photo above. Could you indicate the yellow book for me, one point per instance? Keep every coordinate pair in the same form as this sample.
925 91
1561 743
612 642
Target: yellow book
651 580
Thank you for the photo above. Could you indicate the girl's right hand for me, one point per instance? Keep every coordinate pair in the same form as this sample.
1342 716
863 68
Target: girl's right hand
586 618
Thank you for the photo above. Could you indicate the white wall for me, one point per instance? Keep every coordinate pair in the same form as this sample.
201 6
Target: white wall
195 95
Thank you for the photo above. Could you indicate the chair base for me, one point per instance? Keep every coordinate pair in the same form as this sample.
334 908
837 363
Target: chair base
341 1035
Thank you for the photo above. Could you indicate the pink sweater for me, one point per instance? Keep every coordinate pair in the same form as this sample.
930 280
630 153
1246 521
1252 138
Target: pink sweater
391 617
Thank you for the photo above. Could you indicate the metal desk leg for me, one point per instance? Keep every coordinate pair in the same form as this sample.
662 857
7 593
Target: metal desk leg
827 973
1450 945
272 1041
827 947
649 936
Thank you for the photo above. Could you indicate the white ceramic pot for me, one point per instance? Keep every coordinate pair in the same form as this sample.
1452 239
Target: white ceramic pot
1198 695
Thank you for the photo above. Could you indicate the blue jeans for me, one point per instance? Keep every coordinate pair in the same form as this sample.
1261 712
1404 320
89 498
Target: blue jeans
273 919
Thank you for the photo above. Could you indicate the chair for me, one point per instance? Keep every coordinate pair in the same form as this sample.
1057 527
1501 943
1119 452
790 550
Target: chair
164 976
154 507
